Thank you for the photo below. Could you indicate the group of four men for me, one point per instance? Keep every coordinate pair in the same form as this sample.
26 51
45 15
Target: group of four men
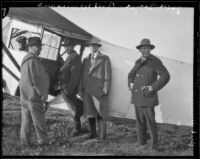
91 79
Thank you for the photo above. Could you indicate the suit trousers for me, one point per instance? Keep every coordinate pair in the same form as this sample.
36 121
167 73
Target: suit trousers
78 105
32 113
145 116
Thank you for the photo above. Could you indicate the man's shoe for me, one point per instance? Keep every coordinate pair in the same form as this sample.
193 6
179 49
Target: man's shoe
154 147
140 146
26 150
75 133
46 143
153 151
90 136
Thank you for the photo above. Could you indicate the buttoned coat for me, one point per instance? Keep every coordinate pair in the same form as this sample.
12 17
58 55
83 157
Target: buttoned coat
146 74
96 77
70 73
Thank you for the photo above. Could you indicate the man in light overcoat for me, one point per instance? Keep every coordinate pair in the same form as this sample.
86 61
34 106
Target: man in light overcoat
147 77
95 86
34 88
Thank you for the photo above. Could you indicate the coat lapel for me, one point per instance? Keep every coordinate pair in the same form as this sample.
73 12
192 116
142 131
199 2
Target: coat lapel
98 61
140 64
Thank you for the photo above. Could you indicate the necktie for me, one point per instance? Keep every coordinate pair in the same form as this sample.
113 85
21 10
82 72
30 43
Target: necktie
94 55
143 59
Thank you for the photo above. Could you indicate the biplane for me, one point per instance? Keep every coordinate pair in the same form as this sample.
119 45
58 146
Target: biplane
176 99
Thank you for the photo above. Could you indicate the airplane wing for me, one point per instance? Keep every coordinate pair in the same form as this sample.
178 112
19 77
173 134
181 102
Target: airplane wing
176 98
49 18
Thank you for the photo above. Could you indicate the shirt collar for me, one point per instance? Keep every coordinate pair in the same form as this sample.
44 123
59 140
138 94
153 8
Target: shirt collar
143 59
95 54
33 54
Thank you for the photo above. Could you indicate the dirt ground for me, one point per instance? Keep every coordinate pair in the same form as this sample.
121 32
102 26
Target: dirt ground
120 141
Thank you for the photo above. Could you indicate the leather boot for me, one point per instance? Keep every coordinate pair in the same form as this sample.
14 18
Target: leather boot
92 123
102 128
99 127
77 128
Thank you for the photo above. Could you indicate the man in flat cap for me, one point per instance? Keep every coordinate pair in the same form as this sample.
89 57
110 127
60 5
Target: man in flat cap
69 76
34 87
95 87
144 84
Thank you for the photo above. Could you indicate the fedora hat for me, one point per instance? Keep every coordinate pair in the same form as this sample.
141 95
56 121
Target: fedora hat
34 41
94 41
145 42
68 41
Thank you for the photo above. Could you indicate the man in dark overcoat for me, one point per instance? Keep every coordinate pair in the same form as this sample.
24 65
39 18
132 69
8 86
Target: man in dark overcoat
34 88
146 78
69 76
95 87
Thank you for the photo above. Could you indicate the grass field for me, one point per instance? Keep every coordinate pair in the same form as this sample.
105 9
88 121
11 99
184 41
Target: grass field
120 141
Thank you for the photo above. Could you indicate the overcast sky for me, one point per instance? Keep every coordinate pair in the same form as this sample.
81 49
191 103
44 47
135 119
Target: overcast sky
169 29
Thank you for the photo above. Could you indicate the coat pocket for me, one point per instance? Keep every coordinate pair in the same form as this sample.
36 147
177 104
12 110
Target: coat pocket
98 91
33 95
147 93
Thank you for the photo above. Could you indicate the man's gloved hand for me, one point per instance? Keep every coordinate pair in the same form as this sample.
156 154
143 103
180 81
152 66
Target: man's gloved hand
147 88
67 90
44 97
131 86
105 91
80 94
45 106
57 86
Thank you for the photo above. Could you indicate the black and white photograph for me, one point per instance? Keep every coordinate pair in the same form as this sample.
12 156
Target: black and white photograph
98 81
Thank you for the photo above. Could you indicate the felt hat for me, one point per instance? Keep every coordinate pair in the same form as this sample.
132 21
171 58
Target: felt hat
34 41
94 41
145 42
68 41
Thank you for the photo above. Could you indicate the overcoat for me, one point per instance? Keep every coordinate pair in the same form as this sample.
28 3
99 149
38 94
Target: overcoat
34 81
96 77
151 72
70 73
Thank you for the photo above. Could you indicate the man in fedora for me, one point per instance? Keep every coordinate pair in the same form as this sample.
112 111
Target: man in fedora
69 76
144 84
34 87
95 87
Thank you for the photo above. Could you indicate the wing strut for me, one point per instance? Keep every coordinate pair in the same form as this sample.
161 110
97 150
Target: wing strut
11 57
10 72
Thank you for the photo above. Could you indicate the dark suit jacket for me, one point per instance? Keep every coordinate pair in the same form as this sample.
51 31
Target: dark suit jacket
70 73
144 74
